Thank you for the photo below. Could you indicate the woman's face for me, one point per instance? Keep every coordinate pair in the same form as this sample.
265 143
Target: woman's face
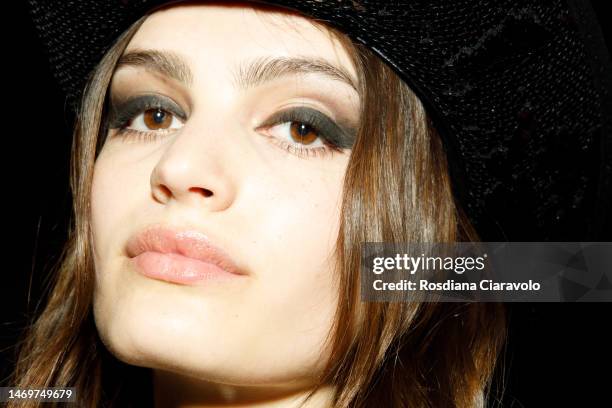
267 194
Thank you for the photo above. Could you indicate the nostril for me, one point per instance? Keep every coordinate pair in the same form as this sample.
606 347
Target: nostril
206 192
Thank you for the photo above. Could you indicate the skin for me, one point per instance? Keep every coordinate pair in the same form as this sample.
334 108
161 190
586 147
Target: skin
257 340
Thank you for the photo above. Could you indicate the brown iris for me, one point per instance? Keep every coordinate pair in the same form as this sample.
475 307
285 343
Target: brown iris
156 119
302 133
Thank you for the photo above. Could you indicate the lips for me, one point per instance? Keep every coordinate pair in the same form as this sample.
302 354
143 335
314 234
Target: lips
179 255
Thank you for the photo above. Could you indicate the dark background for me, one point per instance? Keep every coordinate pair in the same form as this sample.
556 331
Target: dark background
557 354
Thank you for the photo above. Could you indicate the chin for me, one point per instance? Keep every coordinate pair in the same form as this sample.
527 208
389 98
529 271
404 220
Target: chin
161 335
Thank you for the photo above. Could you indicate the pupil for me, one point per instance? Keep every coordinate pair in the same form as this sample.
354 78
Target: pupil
303 129
158 116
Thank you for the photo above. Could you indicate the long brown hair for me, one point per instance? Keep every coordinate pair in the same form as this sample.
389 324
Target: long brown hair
396 189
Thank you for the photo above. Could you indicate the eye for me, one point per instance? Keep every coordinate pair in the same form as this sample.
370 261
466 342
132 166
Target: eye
299 132
146 116
304 131
155 120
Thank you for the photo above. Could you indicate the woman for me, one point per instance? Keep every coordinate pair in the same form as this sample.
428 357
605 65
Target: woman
272 145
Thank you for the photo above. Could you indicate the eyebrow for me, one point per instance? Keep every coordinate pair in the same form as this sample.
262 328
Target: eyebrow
246 75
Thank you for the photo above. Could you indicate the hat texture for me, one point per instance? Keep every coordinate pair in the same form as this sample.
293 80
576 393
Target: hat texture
520 91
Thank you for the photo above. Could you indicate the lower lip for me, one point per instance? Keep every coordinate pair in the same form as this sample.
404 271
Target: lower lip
179 269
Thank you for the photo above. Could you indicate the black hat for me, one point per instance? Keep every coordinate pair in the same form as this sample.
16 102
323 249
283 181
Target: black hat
520 91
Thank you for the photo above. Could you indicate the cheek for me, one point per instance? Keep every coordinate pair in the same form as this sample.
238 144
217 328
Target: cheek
297 292
113 195
103 209
116 198
298 224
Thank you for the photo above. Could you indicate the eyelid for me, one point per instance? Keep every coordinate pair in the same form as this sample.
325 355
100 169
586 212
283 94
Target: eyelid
123 109
334 133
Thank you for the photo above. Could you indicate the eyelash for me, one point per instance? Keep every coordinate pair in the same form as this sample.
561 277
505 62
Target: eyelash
294 115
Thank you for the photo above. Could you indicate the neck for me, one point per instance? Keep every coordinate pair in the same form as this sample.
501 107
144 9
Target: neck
177 391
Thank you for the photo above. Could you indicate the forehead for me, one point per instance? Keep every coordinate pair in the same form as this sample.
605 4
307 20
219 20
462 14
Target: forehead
211 36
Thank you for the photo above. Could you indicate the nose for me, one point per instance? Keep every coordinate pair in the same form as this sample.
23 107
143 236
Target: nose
196 169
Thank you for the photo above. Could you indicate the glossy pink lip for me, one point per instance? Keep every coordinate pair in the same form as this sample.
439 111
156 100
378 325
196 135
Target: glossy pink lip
179 256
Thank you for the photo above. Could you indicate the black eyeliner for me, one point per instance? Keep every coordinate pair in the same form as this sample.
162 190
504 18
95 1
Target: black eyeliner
124 109
334 134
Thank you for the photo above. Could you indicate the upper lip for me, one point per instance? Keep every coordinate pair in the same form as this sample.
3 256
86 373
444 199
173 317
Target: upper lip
187 242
